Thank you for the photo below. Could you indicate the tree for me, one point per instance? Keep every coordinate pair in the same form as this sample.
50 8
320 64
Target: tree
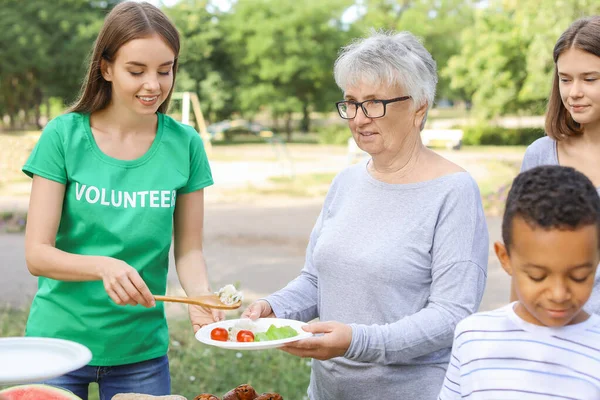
543 24
45 46
284 53
491 66
205 65
505 64
438 23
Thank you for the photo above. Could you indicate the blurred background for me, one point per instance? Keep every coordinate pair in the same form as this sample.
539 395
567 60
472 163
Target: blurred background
255 79
271 61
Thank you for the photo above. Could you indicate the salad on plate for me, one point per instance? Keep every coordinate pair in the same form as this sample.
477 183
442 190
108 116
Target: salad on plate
251 335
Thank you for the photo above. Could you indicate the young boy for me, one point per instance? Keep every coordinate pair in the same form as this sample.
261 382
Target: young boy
544 345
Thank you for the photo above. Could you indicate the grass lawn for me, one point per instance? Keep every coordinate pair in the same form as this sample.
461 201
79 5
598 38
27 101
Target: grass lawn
495 186
14 150
494 176
447 113
308 185
494 149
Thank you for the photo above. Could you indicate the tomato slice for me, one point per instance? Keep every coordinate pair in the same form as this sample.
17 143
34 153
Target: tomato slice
245 336
220 334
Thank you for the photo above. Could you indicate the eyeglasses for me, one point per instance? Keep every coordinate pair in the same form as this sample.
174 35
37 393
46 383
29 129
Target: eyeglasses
371 108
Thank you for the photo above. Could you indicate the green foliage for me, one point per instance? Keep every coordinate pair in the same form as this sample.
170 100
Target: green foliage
438 23
333 134
491 66
541 22
276 57
44 47
505 63
497 135
284 52
205 64
53 107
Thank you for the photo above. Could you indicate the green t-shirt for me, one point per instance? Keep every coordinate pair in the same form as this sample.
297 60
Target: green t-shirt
122 209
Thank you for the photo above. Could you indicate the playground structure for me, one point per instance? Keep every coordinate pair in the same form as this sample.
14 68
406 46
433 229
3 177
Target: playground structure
187 99
190 107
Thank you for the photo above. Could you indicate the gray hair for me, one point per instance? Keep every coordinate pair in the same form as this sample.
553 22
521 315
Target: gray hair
389 58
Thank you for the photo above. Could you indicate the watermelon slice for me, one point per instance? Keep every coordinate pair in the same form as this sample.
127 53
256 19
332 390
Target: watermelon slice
36 392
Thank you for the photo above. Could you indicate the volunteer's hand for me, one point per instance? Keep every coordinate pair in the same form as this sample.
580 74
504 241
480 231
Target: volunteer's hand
200 316
124 284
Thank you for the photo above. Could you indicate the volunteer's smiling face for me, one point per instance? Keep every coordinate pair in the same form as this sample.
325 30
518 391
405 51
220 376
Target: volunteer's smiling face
141 74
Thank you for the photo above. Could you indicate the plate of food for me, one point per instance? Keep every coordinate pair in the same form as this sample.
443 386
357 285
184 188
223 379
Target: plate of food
33 359
245 334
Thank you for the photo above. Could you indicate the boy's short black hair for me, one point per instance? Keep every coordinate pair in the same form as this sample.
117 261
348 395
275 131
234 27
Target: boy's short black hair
551 197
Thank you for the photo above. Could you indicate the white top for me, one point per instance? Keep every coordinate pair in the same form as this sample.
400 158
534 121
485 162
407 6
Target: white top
497 355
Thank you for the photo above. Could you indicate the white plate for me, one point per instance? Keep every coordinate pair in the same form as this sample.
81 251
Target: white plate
261 325
33 359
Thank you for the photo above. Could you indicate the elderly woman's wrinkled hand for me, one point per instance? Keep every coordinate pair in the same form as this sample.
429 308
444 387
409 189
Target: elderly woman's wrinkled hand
258 309
334 342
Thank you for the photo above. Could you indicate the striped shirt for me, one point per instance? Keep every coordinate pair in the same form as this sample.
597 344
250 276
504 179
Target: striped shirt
497 355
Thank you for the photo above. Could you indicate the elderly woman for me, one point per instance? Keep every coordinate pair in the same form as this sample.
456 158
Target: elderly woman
398 255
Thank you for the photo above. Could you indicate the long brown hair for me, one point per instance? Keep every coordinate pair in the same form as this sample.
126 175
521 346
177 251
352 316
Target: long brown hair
583 34
127 21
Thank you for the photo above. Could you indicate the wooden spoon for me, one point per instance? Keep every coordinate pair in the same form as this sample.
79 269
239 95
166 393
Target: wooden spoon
207 300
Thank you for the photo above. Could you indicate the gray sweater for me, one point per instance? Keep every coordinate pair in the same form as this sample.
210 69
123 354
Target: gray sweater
402 264
544 152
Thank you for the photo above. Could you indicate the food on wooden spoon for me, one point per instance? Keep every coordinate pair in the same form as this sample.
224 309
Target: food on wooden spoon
227 298
229 295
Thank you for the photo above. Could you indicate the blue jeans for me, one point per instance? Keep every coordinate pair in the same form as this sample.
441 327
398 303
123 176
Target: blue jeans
148 377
